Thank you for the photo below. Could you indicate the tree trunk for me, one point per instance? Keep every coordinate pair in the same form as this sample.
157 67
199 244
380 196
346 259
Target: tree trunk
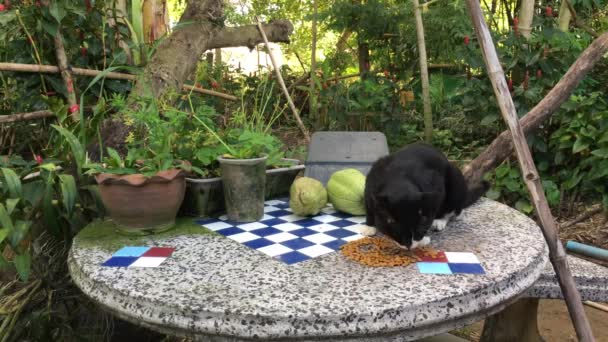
218 57
526 13
342 42
424 74
563 20
502 146
313 67
155 19
363 51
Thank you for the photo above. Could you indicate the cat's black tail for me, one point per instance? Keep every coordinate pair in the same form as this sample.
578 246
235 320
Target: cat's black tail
475 191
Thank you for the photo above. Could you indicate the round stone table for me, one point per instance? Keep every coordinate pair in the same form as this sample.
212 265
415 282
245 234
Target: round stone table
215 289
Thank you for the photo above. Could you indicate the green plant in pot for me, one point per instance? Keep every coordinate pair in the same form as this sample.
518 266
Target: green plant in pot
143 191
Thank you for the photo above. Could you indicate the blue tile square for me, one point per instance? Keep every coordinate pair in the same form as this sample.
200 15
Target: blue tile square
307 222
342 223
266 231
273 222
120 261
340 233
131 251
434 267
335 245
292 257
466 268
258 243
303 232
297 243
279 213
282 205
341 214
230 231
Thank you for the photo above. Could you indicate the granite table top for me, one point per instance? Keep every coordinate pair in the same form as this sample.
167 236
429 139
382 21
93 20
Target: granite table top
215 289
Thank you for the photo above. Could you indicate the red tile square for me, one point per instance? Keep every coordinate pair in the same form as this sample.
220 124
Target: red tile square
159 252
440 257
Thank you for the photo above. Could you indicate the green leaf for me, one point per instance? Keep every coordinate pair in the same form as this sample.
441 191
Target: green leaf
5 220
33 191
50 27
57 11
19 233
502 171
489 119
3 234
524 206
493 194
12 182
602 152
580 145
11 203
115 157
77 149
23 264
68 192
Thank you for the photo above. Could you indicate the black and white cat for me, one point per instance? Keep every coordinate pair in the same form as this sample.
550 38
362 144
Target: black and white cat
413 190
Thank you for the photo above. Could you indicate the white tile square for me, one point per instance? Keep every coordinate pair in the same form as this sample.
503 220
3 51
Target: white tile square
148 262
243 237
319 238
266 217
462 257
273 202
287 227
270 208
280 237
356 219
274 250
355 228
292 217
315 251
353 237
252 226
323 227
326 218
215 226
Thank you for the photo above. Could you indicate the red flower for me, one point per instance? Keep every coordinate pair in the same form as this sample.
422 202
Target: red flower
526 80
70 88
83 51
38 4
2 8
466 40
74 108
198 85
87 3
386 73
545 52
324 85
549 11
214 85
510 84
50 93
515 21
38 159
539 73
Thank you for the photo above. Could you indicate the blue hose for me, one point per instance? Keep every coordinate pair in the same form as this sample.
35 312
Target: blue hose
581 248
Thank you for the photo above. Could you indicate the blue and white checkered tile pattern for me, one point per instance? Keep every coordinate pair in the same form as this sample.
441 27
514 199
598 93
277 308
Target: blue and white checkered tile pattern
287 237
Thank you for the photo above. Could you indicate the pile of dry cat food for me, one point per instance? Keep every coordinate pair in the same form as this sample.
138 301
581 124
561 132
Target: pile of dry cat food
382 252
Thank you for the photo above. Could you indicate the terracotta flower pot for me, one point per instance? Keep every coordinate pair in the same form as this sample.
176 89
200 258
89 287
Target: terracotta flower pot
140 204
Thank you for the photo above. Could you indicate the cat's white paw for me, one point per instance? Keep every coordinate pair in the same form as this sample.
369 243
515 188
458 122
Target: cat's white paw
439 224
367 230
421 243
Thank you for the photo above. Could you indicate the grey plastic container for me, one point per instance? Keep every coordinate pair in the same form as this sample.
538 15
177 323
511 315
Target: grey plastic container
333 151
205 197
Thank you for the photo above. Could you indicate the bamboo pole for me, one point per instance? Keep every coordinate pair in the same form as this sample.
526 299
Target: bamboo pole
62 62
283 87
51 69
557 255
526 13
424 74
26 116
313 67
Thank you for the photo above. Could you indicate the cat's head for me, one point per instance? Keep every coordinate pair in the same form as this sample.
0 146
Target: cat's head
409 214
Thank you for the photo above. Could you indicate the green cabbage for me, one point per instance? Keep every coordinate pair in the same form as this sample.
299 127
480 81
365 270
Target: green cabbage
345 189
307 196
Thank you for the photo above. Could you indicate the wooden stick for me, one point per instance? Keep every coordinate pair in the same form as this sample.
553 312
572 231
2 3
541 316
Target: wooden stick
596 305
62 61
424 75
51 69
557 254
283 87
596 209
26 116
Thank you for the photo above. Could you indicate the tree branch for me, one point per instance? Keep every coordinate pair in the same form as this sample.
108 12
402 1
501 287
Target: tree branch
502 146
277 31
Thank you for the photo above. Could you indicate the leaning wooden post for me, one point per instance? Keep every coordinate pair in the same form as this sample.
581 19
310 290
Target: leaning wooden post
557 254
62 62
283 87
424 74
